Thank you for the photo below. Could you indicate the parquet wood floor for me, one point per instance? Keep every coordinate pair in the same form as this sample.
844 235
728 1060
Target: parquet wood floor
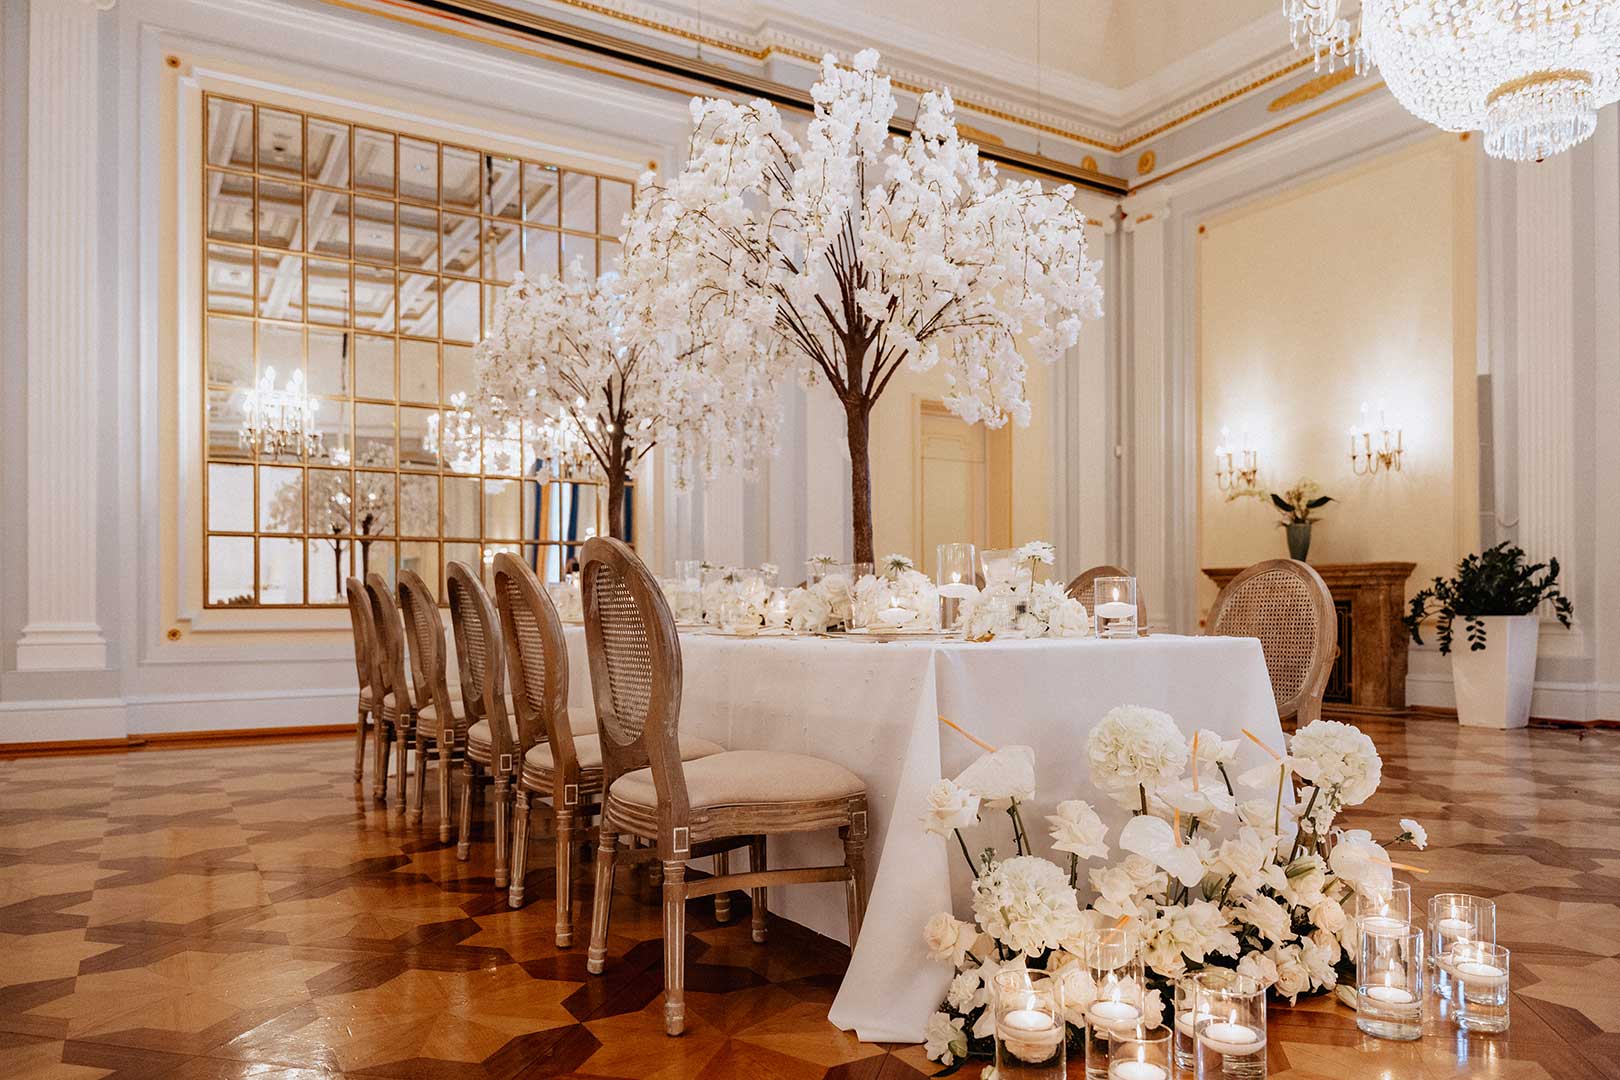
246 911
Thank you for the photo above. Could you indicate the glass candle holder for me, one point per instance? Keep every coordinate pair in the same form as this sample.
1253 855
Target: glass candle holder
1184 1046
1113 959
1385 911
1113 606
1031 1033
999 565
816 569
1455 918
1389 983
1481 972
1143 1055
854 572
954 572
1230 1029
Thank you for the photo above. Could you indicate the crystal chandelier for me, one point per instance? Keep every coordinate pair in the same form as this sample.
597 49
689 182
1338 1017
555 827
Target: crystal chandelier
1530 74
456 440
560 443
281 421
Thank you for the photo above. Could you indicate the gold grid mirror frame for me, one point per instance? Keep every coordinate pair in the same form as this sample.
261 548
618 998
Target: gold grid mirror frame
370 262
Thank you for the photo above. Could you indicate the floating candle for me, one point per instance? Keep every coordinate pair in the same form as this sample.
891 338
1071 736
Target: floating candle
957 590
1224 1037
1113 1014
1452 926
1390 995
1479 975
1136 1070
1029 1034
896 616
1187 1022
1384 925
1116 609
1026 1020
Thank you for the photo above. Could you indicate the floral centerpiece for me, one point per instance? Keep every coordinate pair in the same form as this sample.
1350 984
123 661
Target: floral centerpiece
822 606
1015 605
897 587
1243 872
736 600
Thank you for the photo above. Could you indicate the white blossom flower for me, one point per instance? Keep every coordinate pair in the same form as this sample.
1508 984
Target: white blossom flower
1414 833
1361 861
1214 751
1077 829
1265 915
1078 988
1327 914
1338 758
1154 840
1293 976
949 939
944 1040
1319 959
966 991
1026 903
895 564
1001 776
1134 748
1037 551
1259 967
950 807
1243 856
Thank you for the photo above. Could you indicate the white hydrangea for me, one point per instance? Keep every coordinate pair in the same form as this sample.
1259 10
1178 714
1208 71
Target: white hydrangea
1134 748
1026 903
1339 759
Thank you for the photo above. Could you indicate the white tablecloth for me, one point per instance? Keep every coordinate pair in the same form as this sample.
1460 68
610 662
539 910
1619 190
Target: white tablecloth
875 708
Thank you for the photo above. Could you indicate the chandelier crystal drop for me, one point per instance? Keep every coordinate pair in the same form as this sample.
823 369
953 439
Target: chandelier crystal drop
281 421
1530 74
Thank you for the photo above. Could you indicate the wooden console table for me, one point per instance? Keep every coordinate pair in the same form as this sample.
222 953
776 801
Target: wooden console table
1370 672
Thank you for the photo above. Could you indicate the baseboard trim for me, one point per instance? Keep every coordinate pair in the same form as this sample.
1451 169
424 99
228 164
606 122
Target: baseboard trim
172 740
1440 712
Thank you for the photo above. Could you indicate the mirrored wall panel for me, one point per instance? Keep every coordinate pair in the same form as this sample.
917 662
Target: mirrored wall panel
348 271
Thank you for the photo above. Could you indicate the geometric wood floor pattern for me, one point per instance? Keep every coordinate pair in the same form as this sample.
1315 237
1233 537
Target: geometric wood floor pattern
245 911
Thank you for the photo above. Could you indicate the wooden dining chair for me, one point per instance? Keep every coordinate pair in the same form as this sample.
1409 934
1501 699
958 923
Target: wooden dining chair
1287 605
1081 589
562 754
398 706
491 753
365 666
693 808
440 719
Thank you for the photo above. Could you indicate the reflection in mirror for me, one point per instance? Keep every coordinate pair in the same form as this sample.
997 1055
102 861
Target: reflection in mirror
230 207
328 215
460 372
569 511
330 501
503 509
466 554
374 504
329 292
230 279
328 153
281 499
374 436
281 571
230 351
328 366
281 348
418 506
615 196
373 298
230 498
377 557
328 566
500 251
418 237
488 563
419 305
501 187
374 367
458 244
418 371
281 143
230 133
539 194
281 286
460 509
539 253
373 230
460 310
373 161
493 295
230 570
460 174
579 202
281 214
611 252
558 561
414 438
332 423
225 426
581 249
422 559
418 170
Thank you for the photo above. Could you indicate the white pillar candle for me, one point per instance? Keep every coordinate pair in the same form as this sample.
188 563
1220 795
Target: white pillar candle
1225 1037
1115 609
1390 995
1479 975
1136 1070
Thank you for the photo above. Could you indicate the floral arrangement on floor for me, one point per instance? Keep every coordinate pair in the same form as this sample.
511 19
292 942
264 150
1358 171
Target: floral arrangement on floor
1015 605
897 585
1217 871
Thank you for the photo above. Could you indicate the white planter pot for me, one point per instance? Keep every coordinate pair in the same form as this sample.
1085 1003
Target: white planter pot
1493 685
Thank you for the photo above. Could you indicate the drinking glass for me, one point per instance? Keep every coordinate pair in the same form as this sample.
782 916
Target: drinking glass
1482 971
1113 959
954 573
1389 982
1114 606
1031 1033
1230 1028
1453 919
1144 1055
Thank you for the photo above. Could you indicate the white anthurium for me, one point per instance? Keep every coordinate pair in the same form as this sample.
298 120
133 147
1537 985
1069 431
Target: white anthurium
1197 798
1213 751
1001 775
1358 859
1154 840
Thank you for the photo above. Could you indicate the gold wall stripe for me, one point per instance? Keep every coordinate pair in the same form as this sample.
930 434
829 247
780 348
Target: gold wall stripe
1309 91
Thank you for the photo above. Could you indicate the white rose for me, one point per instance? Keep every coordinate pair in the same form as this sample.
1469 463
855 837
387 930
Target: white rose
1293 977
1328 915
949 939
1077 829
949 807
1259 967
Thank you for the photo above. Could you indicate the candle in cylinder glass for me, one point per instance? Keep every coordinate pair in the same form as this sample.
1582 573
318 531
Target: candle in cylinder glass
1143 1055
1031 1033
1114 606
1183 1044
1481 971
854 572
1112 957
1455 918
1229 1025
1385 911
955 572
1389 982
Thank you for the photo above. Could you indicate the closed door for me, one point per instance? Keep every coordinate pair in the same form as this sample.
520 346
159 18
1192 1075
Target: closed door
953 488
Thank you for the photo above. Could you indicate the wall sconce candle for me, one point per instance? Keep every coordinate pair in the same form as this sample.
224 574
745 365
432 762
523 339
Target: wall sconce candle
1369 456
1236 470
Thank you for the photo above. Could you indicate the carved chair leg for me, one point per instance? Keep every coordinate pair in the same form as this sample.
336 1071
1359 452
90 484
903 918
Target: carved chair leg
469 780
413 811
756 862
402 735
674 946
722 901
520 848
565 844
446 755
379 764
854 835
503 811
360 744
607 848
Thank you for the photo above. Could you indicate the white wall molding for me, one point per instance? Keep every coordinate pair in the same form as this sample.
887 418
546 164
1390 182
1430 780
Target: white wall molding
63 631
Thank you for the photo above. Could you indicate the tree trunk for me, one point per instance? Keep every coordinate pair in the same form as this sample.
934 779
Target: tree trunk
859 418
615 494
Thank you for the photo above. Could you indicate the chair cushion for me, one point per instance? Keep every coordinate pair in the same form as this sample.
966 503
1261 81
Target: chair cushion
429 714
737 777
365 697
478 734
588 749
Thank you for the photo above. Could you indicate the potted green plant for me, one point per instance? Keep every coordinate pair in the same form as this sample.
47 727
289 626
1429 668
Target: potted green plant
1296 506
1495 594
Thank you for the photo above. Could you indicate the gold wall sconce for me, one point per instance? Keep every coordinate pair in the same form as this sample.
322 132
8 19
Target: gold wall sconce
1236 469
1373 451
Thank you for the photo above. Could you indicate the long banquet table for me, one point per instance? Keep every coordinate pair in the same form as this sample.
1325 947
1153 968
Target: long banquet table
875 707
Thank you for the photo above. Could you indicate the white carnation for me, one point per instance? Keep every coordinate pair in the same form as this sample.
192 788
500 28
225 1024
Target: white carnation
944 1040
1415 833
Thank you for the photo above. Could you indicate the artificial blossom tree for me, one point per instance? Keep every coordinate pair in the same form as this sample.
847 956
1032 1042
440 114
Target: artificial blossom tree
851 255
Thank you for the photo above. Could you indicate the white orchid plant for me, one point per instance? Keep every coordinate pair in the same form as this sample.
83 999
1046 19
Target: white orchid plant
1210 877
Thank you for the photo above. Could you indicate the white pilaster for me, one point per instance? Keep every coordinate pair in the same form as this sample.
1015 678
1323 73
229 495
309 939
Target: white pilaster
1147 417
62 631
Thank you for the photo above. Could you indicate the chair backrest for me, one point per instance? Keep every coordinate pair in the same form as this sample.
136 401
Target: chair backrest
536 660
364 626
425 628
635 673
478 652
1287 605
1081 589
390 642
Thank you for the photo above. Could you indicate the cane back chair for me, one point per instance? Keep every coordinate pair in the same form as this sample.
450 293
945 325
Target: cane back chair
1081 589
398 707
695 808
491 753
365 665
440 719
1287 605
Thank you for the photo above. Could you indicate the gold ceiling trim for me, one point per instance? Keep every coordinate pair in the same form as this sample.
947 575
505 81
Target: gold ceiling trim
1309 91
